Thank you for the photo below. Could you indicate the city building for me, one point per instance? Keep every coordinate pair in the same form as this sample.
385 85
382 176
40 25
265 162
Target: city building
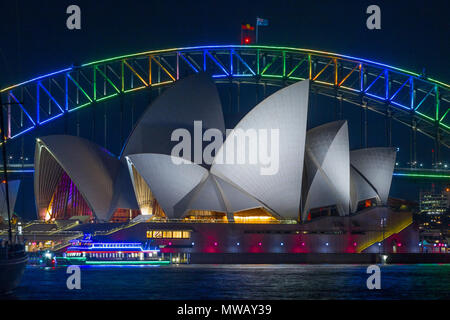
433 203
433 211
433 220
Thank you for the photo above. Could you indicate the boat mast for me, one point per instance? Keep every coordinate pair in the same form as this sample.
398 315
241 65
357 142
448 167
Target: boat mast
5 167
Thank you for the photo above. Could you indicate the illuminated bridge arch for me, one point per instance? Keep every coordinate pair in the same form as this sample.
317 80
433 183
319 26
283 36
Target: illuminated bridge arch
416 101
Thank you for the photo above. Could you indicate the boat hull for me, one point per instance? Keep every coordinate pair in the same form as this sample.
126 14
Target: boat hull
11 272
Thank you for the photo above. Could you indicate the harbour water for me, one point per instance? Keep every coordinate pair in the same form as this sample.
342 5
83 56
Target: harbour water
424 281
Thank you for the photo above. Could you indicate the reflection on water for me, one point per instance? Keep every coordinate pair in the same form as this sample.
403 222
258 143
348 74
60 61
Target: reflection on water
238 282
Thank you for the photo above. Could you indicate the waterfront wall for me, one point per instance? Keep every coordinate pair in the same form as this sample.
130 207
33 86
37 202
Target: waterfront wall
283 258
354 234
316 258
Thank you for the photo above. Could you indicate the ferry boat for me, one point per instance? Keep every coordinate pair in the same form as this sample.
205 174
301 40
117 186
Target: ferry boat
87 251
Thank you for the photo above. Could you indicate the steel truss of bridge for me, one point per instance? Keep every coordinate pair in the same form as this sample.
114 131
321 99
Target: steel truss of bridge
413 173
418 102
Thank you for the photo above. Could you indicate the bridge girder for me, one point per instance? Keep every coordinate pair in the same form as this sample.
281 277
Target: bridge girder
409 98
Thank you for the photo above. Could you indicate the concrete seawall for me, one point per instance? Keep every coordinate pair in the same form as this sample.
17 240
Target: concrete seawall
283 258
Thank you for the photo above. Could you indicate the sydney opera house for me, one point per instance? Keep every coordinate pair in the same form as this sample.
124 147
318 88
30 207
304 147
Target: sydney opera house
312 194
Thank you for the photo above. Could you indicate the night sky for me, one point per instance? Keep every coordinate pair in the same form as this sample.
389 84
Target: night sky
414 36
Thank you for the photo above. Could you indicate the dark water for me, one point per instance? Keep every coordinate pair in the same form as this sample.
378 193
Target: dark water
238 282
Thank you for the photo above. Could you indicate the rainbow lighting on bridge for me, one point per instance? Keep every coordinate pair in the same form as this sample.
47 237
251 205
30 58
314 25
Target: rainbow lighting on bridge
419 102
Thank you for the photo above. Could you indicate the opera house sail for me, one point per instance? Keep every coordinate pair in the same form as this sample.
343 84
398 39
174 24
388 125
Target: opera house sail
327 176
285 111
371 174
75 177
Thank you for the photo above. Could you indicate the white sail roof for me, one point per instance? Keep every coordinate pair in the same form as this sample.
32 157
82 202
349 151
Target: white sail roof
93 170
206 196
283 170
215 194
372 170
359 189
285 111
194 98
186 186
168 181
327 163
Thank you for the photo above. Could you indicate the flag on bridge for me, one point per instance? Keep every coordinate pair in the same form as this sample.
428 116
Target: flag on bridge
262 22
247 27
247 31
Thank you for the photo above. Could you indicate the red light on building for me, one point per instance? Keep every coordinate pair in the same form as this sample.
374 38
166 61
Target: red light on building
247 40
367 203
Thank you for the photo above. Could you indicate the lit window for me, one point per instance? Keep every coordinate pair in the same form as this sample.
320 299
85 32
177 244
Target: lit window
177 234
186 234
167 234
157 234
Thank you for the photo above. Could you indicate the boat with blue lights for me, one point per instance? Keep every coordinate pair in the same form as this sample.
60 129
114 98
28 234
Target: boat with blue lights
90 252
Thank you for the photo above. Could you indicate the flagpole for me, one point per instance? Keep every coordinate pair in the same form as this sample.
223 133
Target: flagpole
256 30
5 168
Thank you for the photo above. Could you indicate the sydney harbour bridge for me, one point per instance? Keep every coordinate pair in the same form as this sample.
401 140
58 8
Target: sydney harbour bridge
419 104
